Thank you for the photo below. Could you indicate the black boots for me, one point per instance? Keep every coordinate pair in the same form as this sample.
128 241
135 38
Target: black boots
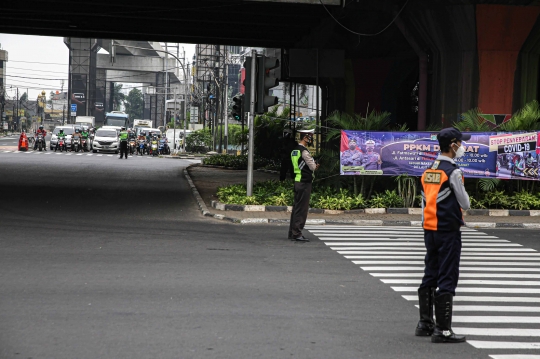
425 325
443 315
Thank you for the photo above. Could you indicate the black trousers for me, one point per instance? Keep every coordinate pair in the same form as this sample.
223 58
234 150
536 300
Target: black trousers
443 252
286 166
123 148
302 193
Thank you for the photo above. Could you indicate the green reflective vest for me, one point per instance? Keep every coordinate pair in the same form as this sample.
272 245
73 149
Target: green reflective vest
302 173
123 136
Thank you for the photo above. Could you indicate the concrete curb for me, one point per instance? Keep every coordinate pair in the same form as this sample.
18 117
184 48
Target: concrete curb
414 211
360 222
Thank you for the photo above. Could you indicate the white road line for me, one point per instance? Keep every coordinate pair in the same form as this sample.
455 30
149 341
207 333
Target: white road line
48 153
374 237
515 356
376 228
503 345
466 281
497 332
69 154
79 154
476 269
420 247
478 290
99 155
410 240
58 153
465 298
461 275
89 154
109 155
494 308
7 151
423 252
465 263
463 257
494 319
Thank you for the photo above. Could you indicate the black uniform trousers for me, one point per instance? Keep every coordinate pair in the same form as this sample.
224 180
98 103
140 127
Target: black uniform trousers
286 166
302 193
443 252
123 148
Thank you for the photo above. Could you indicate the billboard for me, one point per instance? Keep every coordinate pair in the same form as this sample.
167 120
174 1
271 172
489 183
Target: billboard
487 154
78 93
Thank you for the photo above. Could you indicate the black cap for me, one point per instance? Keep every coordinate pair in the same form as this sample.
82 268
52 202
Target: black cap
451 134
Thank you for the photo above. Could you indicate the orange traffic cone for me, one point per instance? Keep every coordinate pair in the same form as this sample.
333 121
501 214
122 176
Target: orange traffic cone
23 142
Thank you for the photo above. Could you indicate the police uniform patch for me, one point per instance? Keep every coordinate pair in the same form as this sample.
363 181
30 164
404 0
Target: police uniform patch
432 178
435 165
295 153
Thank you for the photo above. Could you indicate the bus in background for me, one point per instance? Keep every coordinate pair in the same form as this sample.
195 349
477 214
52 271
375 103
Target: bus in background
117 118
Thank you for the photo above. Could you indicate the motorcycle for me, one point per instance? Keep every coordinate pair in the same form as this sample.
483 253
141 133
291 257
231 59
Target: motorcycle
164 148
154 147
75 144
61 145
141 147
132 146
40 142
84 145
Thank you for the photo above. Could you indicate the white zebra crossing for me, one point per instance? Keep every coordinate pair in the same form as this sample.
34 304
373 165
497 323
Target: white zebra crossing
499 287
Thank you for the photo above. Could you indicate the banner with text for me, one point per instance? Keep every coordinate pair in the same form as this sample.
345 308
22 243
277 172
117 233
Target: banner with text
487 154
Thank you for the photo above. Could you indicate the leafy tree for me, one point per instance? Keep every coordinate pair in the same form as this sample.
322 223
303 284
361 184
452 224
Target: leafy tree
118 96
269 131
24 97
134 103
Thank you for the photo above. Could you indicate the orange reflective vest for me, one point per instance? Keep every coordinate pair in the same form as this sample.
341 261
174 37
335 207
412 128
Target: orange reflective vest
441 210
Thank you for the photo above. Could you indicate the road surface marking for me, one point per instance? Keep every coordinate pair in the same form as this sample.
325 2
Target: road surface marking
503 345
466 281
478 290
465 298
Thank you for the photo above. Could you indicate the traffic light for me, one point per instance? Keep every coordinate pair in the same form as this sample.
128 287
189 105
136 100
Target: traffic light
247 83
237 108
265 82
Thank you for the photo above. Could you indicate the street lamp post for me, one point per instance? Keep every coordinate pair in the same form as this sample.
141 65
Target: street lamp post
186 85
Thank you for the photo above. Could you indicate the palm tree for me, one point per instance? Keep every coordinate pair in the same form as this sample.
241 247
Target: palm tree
525 119
474 120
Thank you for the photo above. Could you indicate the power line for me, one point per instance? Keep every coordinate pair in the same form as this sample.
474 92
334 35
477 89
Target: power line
358 33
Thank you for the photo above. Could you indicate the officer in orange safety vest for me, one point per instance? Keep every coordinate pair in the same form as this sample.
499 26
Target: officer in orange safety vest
443 198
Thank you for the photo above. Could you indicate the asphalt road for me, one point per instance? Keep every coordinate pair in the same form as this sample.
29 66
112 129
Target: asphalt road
109 258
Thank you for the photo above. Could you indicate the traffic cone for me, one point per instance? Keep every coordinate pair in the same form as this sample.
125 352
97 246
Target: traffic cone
23 142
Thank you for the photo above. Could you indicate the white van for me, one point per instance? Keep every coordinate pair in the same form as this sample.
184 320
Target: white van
178 137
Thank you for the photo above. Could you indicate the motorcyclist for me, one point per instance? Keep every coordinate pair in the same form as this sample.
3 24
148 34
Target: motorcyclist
76 134
61 136
42 132
84 135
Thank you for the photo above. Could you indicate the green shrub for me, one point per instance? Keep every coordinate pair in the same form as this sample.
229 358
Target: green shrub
495 200
388 199
524 200
236 162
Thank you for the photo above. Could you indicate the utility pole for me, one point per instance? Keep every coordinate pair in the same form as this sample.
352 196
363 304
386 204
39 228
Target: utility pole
174 120
17 118
251 141
185 100
226 112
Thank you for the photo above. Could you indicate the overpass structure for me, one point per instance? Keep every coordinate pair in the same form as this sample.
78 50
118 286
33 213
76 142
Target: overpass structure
92 75
425 61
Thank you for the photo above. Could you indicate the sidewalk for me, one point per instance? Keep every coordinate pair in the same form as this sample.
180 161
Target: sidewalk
206 181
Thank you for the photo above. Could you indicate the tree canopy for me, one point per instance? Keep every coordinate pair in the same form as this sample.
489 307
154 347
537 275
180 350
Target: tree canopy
134 103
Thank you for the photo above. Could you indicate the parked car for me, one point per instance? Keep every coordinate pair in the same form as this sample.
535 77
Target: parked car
68 130
106 139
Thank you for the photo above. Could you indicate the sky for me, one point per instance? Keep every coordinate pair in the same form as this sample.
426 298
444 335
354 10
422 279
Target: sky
37 63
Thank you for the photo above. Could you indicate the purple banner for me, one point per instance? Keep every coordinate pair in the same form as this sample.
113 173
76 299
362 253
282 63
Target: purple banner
487 154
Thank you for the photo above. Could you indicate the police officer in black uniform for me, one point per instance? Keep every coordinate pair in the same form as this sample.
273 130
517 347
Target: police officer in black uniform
443 198
304 165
